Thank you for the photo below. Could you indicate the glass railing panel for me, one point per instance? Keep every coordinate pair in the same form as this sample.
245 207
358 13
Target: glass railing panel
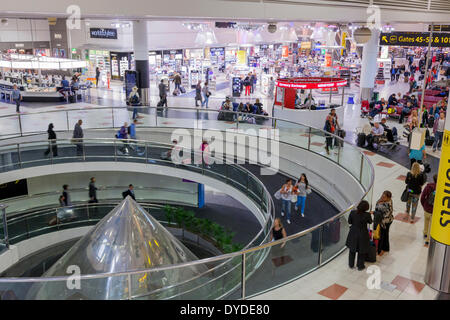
292 133
17 230
318 144
177 118
44 222
73 218
38 122
10 126
2 235
129 151
68 151
33 154
218 120
237 177
333 237
366 173
350 159
205 281
99 150
9 158
282 265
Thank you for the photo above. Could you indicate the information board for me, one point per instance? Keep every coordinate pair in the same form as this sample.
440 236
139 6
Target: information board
414 39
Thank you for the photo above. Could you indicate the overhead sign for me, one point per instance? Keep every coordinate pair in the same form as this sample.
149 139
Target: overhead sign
440 27
414 39
440 224
103 33
311 83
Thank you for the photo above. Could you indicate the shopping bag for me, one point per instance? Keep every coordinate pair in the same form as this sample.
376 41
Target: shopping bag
405 194
294 198
277 195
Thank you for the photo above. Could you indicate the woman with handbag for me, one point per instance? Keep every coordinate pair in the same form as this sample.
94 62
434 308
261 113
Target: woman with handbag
286 195
384 207
302 189
206 94
415 179
358 239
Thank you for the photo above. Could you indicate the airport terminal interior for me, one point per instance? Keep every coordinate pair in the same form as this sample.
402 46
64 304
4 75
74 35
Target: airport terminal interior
225 150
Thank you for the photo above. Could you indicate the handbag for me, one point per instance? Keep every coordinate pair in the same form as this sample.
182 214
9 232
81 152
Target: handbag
277 195
294 198
377 232
405 195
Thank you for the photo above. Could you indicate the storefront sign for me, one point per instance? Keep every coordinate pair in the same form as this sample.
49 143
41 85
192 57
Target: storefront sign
311 83
103 33
414 39
217 51
285 51
328 61
440 27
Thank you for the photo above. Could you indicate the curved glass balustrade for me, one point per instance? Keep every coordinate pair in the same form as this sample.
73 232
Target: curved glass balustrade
238 275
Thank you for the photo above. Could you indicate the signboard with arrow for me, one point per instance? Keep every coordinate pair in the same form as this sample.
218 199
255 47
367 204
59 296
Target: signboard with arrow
414 39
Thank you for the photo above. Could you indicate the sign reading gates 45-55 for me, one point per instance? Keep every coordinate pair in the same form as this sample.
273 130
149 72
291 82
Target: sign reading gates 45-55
414 39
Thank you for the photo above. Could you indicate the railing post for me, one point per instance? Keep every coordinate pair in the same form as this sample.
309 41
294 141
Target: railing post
51 151
84 150
156 116
67 119
87 210
18 155
243 276
361 168
309 139
129 286
115 151
112 115
322 228
5 224
20 126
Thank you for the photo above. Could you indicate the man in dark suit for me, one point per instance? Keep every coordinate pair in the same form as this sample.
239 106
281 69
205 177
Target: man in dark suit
129 192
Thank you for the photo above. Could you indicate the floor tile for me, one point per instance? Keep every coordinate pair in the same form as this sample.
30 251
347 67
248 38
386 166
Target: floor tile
414 287
369 153
317 144
400 282
385 164
333 292
401 177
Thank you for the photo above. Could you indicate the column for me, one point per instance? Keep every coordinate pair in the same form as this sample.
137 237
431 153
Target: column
369 65
140 44
438 266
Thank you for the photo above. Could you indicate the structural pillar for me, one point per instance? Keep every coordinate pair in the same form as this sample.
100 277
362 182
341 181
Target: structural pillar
369 65
140 44
438 266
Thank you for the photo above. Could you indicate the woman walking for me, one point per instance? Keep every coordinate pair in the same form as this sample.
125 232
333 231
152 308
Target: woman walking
415 179
286 196
385 207
302 189
52 141
206 94
278 232
358 240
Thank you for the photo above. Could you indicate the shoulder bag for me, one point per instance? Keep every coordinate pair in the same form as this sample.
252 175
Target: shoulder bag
405 195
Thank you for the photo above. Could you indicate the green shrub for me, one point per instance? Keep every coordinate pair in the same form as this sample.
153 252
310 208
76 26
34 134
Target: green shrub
186 219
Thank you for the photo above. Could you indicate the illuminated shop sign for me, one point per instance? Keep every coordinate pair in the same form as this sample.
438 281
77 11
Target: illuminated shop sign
102 33
413 39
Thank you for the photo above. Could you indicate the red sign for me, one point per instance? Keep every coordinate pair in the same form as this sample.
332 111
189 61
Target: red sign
285 52
328 60
311 83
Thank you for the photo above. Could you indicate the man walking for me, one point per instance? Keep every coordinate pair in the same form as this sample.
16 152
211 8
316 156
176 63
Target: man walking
17 97
92 191
162 94
198 93
77 136
427 201
129 192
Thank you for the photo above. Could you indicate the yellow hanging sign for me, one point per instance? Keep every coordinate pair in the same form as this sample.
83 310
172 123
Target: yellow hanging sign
241 57
440 224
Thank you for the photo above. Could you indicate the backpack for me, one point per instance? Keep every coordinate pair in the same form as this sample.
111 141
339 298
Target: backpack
134 99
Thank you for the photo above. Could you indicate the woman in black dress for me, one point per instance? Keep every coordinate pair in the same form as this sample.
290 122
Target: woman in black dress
358 240
52 141
278 232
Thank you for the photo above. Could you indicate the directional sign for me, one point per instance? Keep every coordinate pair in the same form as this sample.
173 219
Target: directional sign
413 39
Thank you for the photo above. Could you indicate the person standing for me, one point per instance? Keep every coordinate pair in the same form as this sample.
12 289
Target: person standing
162 93
52 141
97 76
385 207
427 201
66 195
358 239
17 97
92 191
286 196
417 155
177 81
206 94
78 136
331 124
198 93
302 190
123 135
253 82
438 130
129 192
247 85
415 179
133 100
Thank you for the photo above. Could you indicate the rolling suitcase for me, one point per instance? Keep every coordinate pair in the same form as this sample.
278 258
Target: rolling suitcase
182 89
361 140
372 254
337 142
176 92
